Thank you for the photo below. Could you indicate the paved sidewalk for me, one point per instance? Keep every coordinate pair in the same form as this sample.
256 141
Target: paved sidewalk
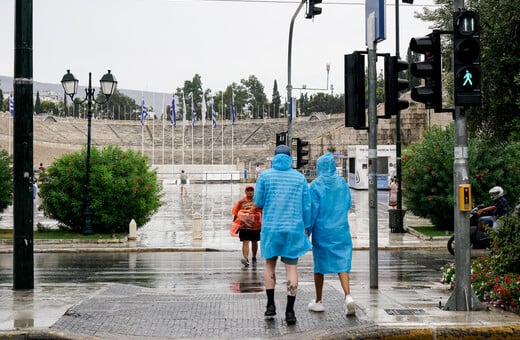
182 282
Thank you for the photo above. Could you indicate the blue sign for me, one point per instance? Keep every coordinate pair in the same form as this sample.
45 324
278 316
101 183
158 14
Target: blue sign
377 7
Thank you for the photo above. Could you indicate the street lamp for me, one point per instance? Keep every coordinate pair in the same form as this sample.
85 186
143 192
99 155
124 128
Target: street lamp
108 86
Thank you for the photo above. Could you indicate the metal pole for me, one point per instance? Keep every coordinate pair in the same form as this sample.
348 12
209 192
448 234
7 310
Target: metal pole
87 227
463 297
372 165
399 217
289 86
23 261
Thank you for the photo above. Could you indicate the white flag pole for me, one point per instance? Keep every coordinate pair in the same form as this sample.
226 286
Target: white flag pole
183 124
163 113
203 115
222 137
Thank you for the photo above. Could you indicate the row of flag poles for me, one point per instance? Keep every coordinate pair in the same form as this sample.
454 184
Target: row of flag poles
173 121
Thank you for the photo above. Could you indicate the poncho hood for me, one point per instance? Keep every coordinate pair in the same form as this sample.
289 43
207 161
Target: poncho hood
326 165
282 162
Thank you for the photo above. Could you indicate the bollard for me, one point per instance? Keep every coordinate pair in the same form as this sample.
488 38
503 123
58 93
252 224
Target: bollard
352 221
132 233
197 226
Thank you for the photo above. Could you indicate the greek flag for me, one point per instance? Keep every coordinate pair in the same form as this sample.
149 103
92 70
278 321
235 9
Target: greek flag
144 113
173 113
11 104
233 112
203 109
213 114
193 113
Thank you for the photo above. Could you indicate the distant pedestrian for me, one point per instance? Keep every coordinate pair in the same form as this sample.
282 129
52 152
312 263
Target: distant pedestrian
184 182
392 192
41 168
247 223
283 195
330 231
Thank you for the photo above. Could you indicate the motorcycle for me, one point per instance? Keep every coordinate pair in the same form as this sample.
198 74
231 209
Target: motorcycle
478 237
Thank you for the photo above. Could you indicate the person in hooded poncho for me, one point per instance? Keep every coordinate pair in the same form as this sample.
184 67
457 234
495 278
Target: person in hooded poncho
330 231
283 195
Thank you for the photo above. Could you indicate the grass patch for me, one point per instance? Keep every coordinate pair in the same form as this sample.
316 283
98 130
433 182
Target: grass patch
56 234
430 231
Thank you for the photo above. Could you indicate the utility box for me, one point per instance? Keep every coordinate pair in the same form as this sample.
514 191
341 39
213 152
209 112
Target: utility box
358 165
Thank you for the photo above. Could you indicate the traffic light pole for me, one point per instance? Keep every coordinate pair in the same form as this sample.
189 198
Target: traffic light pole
289 85
372 160
463 297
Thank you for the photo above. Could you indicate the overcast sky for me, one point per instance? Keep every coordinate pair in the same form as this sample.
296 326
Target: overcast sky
155 45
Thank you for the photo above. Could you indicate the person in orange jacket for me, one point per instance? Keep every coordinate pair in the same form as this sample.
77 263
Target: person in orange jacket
247 223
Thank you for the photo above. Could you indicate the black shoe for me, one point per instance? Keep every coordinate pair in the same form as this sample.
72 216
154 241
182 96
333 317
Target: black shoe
290 318
270 312
254 261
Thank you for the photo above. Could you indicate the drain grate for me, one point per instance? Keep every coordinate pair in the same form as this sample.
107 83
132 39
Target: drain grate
405 311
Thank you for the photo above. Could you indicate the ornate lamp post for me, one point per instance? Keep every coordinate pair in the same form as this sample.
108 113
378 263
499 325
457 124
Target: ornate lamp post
108 86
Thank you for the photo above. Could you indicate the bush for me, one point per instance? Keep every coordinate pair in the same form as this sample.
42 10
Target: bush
122 187
6 180
427 174
505 251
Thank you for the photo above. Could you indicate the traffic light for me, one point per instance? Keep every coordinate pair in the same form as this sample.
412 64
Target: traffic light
300 151
466 58
281 138
312 10
429 69
393 85
355 91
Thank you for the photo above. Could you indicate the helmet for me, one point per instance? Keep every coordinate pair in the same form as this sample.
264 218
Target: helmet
496 192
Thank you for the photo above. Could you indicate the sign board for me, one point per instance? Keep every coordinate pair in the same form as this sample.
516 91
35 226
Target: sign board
376 8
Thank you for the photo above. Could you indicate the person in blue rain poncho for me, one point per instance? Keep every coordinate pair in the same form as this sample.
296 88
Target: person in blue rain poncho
330 231
283 195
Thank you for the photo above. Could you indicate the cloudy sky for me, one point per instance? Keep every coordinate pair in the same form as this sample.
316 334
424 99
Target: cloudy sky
155 45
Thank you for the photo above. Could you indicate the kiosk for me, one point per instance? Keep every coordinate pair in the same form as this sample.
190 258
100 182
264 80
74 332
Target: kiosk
358 165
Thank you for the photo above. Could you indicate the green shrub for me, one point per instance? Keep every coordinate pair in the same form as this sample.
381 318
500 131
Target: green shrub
505 251
6 180
427 174
122 187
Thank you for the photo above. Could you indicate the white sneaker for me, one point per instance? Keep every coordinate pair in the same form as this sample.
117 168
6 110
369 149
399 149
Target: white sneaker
350 306
316 306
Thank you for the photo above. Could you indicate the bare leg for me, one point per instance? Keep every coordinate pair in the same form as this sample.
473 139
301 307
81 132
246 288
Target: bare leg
292 279
245 249
318 286
269 274
254 248
345 282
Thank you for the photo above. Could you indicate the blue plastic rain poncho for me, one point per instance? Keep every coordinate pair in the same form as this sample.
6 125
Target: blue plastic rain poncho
330 201
283 194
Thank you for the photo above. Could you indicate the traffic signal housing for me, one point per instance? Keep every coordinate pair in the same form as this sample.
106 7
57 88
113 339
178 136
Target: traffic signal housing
301 151
355 91
466 58
312 10
281 138
393 85
429 69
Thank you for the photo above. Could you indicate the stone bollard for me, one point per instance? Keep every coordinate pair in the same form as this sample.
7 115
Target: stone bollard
197 226
132 232
352 221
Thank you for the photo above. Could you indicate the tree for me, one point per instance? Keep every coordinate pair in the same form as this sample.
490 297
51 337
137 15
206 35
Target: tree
276 101
194 88
117 105
256 90
6 180
122 186
38 104
1 100
498 117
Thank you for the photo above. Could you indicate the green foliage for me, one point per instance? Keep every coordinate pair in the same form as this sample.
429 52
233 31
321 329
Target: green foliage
505 253
6 180
122 187
500 63
428 174
448 274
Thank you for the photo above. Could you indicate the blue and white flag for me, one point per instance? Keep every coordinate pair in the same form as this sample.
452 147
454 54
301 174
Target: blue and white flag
213 114
144 113
11 104
233 112
173 113
184 111
203 110
193 113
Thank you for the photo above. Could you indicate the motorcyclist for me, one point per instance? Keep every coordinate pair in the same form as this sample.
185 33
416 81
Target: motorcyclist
499 207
